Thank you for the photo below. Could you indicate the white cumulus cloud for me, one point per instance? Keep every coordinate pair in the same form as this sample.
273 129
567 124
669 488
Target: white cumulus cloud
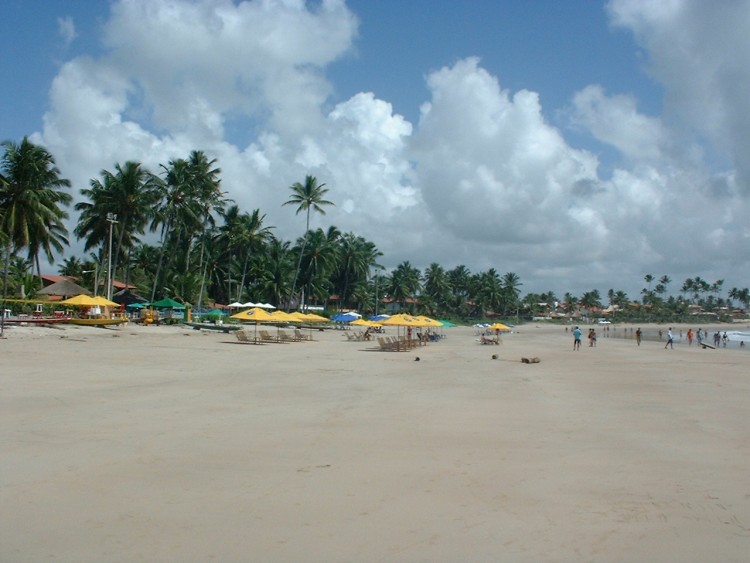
483 179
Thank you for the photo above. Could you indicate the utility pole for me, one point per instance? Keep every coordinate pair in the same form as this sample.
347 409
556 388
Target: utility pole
111 219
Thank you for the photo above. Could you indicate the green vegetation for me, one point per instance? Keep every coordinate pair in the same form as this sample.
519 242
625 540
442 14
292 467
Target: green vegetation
210 250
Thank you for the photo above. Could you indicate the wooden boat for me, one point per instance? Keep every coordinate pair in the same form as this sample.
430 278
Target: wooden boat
36 320
94 321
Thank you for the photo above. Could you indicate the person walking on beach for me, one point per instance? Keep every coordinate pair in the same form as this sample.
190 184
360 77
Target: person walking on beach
670 340
690 336
577 333
638 336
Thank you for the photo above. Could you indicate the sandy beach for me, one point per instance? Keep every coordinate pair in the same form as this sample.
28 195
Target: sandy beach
168 444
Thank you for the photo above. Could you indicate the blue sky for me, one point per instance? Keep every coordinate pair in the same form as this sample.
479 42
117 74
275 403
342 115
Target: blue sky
578 144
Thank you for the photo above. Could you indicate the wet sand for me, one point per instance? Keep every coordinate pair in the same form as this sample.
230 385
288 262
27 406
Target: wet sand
166 444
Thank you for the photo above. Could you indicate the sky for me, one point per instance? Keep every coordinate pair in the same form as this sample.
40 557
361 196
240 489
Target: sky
578 144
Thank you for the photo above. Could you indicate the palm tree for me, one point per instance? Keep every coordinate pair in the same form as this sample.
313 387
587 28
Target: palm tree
31 201
253 236
648 278
665 280
437 287
205 187
488 291
356 256
570 303
71 267
307 197
177 213
511 283
459 279
274 273
404 283
319 261
130 193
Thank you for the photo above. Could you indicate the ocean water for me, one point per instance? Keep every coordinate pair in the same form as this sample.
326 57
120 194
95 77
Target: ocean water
650 334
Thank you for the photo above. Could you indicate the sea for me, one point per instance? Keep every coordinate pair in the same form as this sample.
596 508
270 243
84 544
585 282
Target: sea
735 338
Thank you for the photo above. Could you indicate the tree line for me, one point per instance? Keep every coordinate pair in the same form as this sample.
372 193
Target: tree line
210 250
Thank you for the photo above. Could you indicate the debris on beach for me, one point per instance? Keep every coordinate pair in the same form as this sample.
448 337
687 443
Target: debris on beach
533 360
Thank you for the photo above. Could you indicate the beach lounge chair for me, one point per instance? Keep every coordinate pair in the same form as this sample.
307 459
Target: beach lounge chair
285 337
299 335
385 344
246 338
266 337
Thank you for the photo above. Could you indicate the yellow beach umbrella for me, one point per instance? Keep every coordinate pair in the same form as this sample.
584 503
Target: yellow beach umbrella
255 314
428 322
364 322
81 301
313 318
400 320
298 317
104 302
501 327
282 317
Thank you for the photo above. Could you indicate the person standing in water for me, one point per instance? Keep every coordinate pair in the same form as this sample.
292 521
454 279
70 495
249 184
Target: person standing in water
577 333
670 340
638 336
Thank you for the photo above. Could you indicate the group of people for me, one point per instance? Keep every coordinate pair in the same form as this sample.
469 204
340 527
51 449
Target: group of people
578 334
700 335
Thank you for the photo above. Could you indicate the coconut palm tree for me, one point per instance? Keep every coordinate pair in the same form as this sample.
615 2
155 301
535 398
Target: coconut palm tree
356 257
459 279
71 267
648 278
31 202
251 237
404 283
205 187
488 291
130 193
319 262
307 197
437 287
511 285
177 214
274 274
570 303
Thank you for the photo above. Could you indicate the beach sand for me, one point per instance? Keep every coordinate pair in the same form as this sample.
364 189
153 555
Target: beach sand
167 444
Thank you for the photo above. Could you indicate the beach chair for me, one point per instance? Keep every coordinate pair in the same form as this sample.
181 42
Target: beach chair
299 335
397 344
245 338
385 344
285 337
266 337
